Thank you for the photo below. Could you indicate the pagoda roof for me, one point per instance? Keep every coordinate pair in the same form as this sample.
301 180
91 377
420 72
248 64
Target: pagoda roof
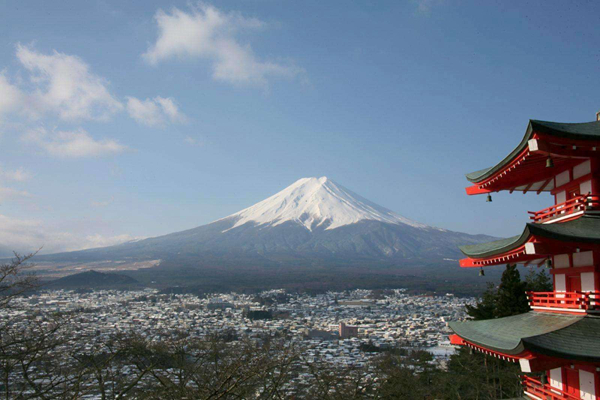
575 131
585 229
487 249
556 335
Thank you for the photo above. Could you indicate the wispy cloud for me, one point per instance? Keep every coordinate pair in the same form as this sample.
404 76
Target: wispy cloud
7 193
26 235
72 144
65 84
11 97
92 241
154 112
192 141
170 109
16 175
209 33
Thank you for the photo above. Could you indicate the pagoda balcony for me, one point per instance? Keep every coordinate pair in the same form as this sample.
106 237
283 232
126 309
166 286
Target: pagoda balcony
571 302
538 390
567 210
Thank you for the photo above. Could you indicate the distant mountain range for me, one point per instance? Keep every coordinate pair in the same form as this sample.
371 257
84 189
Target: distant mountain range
314 221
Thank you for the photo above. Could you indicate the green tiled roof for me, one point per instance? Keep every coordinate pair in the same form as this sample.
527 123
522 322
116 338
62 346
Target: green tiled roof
585 229
490 248
576 131
579 131
579 341
505 334
564 336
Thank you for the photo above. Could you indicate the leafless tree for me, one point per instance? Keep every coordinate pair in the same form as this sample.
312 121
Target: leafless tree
215 369
335 382
27 342
14 279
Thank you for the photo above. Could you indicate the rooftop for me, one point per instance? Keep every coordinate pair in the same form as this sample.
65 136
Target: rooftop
555 335
575 131
585 229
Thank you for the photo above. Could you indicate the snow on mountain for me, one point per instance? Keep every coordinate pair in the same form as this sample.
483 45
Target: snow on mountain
313 202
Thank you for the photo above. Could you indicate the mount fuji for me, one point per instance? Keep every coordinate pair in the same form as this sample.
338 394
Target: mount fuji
314 221
316 203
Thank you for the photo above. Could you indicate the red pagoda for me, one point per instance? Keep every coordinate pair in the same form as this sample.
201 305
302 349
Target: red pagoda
559 339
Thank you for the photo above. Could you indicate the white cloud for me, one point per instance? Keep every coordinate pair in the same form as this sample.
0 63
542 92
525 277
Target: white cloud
17 175
206 32
170 109
92 241
25 236
64 84
145 112
192 141
7 193
10 96
72 144
17 235
154 112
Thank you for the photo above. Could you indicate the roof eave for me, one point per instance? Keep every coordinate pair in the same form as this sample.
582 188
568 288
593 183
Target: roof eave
518 349
478 176
519 241
517 334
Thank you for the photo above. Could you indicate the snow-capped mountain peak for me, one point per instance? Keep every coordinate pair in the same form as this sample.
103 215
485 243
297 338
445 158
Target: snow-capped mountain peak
312 202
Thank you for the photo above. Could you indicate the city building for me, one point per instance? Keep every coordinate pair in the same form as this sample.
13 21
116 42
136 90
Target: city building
347 331
559 339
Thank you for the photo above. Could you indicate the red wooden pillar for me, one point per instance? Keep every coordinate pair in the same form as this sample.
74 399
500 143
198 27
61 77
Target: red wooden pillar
571 381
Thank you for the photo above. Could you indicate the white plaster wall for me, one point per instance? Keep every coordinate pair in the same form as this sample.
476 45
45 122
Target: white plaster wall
556 378
562 178
583 259
560 283
587 387
582 169
561 261
561 197
585 187
587 282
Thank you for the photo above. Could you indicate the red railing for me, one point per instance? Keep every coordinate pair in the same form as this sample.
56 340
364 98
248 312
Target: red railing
571 206
544 391
587 301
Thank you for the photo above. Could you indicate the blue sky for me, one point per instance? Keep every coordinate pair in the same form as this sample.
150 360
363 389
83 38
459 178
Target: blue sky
134 119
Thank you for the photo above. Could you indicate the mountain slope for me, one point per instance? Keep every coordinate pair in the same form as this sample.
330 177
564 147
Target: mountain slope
313 221
93 279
